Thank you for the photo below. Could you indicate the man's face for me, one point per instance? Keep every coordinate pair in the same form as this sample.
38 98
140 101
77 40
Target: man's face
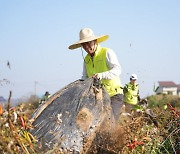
133 81
89 47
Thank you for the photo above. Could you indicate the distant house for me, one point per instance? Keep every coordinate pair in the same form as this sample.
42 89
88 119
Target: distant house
167 87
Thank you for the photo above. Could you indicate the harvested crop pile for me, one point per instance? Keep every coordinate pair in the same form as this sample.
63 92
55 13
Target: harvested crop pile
140 134
69 119
14 137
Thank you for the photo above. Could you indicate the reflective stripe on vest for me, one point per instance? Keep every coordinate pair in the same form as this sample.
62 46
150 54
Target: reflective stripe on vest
97 64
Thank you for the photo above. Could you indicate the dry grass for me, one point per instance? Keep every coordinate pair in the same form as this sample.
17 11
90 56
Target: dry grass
136 134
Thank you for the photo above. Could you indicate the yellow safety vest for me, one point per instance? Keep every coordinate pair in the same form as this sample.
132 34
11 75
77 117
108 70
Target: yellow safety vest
97 64
131 93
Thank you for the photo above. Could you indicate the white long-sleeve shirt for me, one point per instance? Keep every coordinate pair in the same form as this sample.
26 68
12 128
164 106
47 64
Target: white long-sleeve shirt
113 64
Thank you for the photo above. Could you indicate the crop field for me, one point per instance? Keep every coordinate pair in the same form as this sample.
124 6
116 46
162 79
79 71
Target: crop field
138 133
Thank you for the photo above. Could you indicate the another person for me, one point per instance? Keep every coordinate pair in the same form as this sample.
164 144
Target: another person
131 94
101 63
45 97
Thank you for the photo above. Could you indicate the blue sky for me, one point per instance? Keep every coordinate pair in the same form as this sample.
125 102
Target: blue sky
35 35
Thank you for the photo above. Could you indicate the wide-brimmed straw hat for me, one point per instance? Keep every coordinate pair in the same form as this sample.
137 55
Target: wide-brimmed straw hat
87 35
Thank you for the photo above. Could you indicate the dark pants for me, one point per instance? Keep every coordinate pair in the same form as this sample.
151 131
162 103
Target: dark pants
116 104
129 107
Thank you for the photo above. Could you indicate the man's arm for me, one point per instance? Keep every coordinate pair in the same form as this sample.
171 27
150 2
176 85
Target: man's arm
113 64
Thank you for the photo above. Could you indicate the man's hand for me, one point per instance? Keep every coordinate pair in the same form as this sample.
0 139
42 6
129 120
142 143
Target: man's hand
97 76
125 89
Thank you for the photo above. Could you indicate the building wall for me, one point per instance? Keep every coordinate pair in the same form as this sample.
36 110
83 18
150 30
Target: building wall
159 90
178 93
167 90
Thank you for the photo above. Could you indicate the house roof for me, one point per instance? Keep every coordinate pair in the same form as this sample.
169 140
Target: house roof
167 84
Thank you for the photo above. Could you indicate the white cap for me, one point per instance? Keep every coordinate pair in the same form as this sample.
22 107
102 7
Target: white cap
133 77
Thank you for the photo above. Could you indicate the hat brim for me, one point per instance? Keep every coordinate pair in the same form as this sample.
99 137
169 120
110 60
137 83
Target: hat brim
99 39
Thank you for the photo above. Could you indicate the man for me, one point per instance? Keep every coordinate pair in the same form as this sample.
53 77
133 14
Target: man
101 63
131 94
45 97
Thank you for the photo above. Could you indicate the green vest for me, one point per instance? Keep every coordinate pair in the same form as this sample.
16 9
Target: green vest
131 93
97 64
